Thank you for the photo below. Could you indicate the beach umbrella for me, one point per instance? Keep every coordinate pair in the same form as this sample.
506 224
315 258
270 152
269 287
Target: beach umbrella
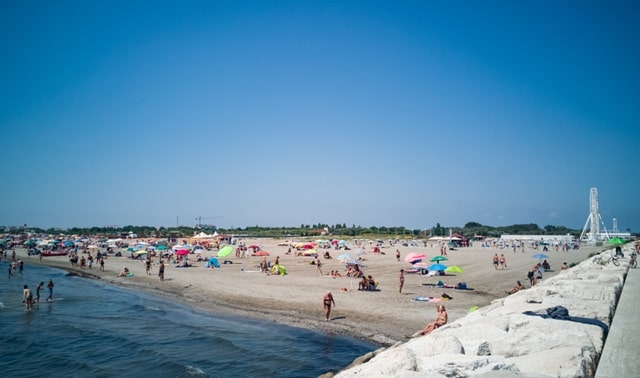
539 256
344 257
342 242
254 246
616 241
354 262
261 253
438 258
420 265
182 252
359 251
161 247
437 267
414 257
225 251
454 269
141 252
212 261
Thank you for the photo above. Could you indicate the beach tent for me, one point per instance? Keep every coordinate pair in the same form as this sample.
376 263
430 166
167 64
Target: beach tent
212 261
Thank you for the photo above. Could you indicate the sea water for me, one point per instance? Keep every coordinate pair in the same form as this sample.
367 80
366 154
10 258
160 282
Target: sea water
92 329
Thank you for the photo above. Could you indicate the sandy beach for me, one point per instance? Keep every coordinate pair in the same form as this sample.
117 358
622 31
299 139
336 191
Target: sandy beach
384 316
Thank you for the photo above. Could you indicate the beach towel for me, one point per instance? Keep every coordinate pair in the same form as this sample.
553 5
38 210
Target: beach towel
422 299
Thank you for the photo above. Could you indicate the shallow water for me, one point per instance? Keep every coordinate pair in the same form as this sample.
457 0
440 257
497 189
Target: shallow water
92 329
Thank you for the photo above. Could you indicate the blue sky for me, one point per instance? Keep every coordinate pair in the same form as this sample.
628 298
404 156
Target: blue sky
281 113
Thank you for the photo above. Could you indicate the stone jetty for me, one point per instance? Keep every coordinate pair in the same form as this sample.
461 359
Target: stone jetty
555 329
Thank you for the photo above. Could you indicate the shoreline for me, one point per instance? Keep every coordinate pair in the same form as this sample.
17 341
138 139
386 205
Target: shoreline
382 318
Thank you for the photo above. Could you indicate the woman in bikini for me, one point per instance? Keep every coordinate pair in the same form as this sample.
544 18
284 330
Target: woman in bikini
441 320
327 300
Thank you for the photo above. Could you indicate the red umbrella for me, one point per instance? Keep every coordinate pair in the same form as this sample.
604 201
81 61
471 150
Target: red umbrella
307 246
254 246
261 253
182 252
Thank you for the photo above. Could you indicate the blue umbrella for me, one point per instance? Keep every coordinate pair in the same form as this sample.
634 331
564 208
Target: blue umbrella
212 261
437 267
540 256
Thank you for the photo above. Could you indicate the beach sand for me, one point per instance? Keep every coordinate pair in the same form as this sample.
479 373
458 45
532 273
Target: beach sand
383 317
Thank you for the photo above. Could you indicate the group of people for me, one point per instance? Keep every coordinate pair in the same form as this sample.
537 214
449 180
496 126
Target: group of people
499 261
16 266
367 283
535 273
27 294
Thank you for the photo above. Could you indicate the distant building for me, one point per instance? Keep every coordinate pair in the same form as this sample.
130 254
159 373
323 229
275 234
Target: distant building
540 238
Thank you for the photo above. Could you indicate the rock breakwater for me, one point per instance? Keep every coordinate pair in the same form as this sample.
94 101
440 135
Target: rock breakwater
518 335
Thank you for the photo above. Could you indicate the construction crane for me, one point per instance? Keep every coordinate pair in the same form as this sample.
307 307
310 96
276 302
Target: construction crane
199 219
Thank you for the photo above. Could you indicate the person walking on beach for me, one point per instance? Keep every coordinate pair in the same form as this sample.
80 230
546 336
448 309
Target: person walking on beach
496 261
327 301
148 265
50 287
101 264
503 261
401 279
318 265
40 285
161 270
398 254
27 297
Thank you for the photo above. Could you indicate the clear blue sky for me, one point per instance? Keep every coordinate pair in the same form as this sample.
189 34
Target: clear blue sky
281 113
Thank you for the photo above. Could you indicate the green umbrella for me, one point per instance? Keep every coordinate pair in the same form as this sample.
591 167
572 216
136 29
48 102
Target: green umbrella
616 241
438 258
454 269
161 247
225 251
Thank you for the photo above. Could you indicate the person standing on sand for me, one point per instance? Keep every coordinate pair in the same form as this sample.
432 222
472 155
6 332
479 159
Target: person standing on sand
161 270
496 261
327 301
50 287
101 264
401 279
318 265
398 254
148 265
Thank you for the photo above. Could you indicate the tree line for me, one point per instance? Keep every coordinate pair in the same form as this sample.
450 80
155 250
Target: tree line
319 230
